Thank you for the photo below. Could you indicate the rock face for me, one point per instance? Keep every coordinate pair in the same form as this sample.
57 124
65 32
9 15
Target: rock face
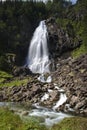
71 75
61 40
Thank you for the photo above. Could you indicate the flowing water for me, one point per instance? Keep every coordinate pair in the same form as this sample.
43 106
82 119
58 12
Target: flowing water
46 116
38 62
38 56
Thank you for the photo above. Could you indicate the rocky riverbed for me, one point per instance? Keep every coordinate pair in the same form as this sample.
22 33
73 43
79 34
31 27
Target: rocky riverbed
70 78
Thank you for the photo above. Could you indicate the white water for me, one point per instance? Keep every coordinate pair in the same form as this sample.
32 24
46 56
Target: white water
38 57
62 99
50 117
45 97
43 80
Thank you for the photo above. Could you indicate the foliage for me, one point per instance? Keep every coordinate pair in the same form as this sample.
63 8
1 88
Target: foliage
57 7
74 23
18 20
73 123
80 27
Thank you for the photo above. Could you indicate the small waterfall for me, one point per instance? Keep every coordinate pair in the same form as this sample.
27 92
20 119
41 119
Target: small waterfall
38 57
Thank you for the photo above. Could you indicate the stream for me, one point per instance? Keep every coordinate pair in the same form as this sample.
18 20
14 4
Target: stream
46 116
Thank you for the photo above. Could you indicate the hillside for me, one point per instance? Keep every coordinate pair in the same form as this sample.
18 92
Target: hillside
18 21
59 52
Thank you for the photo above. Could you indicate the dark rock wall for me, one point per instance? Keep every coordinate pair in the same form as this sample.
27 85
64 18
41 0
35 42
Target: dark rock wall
59 39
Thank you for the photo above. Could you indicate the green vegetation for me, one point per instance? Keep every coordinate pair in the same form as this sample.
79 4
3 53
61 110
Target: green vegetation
10 121
73 123
7 80
80 27
14 82
4 76
79 51
75 22
18 20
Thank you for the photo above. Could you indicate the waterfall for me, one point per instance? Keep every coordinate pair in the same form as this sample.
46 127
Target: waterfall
38 57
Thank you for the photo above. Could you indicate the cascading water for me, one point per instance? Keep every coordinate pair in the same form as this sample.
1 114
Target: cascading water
38 62
38 57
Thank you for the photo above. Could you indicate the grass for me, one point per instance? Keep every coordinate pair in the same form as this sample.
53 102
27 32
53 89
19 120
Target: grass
15 82
79 51
5 75
73 123
10 121
7 80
